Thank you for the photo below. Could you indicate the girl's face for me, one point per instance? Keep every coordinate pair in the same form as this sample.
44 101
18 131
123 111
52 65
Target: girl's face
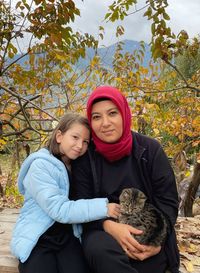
106 121
74 142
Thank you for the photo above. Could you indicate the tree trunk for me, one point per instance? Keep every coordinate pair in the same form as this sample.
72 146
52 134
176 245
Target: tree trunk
193 187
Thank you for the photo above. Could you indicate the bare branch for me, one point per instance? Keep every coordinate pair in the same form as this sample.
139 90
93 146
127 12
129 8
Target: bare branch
19 58
27 100
26 117
138 10
178 71
17 132
24 105
182 77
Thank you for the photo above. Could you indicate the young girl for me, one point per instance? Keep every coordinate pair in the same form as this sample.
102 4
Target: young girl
45 237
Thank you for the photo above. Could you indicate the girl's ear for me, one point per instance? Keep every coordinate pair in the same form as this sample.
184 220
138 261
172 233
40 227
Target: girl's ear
59 136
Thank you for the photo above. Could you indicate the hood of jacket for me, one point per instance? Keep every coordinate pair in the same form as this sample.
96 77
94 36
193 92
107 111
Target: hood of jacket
42 154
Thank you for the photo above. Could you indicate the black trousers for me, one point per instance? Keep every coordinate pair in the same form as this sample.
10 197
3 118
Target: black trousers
68 259
105 255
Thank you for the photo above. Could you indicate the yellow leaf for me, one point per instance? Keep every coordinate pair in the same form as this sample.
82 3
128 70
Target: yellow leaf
2 141
60 57
187 174
196 261
192 248
189 266
156 131
118 79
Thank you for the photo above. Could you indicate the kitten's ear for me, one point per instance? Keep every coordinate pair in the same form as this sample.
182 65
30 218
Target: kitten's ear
134 193
125 194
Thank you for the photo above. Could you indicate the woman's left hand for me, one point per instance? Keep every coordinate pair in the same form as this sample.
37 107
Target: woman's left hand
148 252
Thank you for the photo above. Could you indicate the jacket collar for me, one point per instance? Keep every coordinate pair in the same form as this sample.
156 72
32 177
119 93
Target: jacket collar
137 149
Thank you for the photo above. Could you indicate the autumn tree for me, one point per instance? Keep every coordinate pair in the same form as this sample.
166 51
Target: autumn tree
27 88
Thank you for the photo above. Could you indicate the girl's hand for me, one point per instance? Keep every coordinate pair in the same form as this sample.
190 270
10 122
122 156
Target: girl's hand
123 235
113 210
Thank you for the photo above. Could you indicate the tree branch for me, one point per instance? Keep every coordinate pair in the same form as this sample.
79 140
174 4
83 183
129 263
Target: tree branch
26 117
24 105
176 69
27 100
22 56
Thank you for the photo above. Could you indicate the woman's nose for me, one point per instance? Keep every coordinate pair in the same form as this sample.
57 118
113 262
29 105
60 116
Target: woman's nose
106 121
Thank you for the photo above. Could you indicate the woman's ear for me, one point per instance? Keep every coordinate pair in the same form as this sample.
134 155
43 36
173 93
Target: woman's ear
59 136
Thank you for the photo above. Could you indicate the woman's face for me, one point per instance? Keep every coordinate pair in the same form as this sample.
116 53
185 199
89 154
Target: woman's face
106 121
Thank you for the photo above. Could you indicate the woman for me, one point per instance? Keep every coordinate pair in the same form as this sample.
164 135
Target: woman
116 159
45 237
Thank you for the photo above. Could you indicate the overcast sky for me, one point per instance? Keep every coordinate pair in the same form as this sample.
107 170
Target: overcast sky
184 14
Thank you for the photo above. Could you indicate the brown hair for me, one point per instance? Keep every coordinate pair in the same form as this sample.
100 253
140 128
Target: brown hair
64 124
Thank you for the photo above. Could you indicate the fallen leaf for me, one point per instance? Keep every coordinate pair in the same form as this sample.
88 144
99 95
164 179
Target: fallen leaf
196 261
188 266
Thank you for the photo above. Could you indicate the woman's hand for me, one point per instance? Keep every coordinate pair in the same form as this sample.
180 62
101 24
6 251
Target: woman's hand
122 233
148 252
113 210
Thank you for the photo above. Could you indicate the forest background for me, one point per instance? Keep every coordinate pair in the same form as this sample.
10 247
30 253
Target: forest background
60 66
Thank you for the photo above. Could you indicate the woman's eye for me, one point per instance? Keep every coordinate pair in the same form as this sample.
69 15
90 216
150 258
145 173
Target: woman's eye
75 137
95 117
113 113
86 142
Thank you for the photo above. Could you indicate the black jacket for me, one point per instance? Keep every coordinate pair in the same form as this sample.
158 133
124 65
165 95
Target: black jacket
147 168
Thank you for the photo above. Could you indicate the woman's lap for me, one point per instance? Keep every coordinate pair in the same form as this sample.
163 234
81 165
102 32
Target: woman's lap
105 255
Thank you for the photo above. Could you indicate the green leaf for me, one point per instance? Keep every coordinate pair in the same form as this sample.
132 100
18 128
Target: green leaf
166 16
101 36
18 4
107 15
153 28
148 13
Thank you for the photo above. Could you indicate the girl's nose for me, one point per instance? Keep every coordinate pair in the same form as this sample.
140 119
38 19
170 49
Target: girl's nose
80 144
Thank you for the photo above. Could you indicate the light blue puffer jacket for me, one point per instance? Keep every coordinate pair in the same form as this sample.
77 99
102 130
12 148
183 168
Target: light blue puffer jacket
43 180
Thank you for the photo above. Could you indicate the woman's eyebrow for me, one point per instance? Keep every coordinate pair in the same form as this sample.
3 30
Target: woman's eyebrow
112 108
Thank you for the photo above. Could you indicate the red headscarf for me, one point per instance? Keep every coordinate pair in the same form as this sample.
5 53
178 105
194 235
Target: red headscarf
121 148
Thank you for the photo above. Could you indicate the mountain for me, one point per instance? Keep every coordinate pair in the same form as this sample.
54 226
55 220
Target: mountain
106 54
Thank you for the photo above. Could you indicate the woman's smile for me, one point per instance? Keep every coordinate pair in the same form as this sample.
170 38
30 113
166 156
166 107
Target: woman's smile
108 132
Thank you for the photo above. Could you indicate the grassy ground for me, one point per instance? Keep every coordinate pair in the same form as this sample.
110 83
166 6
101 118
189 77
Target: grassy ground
9 195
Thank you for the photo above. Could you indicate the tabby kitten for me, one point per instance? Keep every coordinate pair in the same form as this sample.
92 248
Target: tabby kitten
137 212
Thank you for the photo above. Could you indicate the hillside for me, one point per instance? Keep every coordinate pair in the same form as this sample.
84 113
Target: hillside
106 54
